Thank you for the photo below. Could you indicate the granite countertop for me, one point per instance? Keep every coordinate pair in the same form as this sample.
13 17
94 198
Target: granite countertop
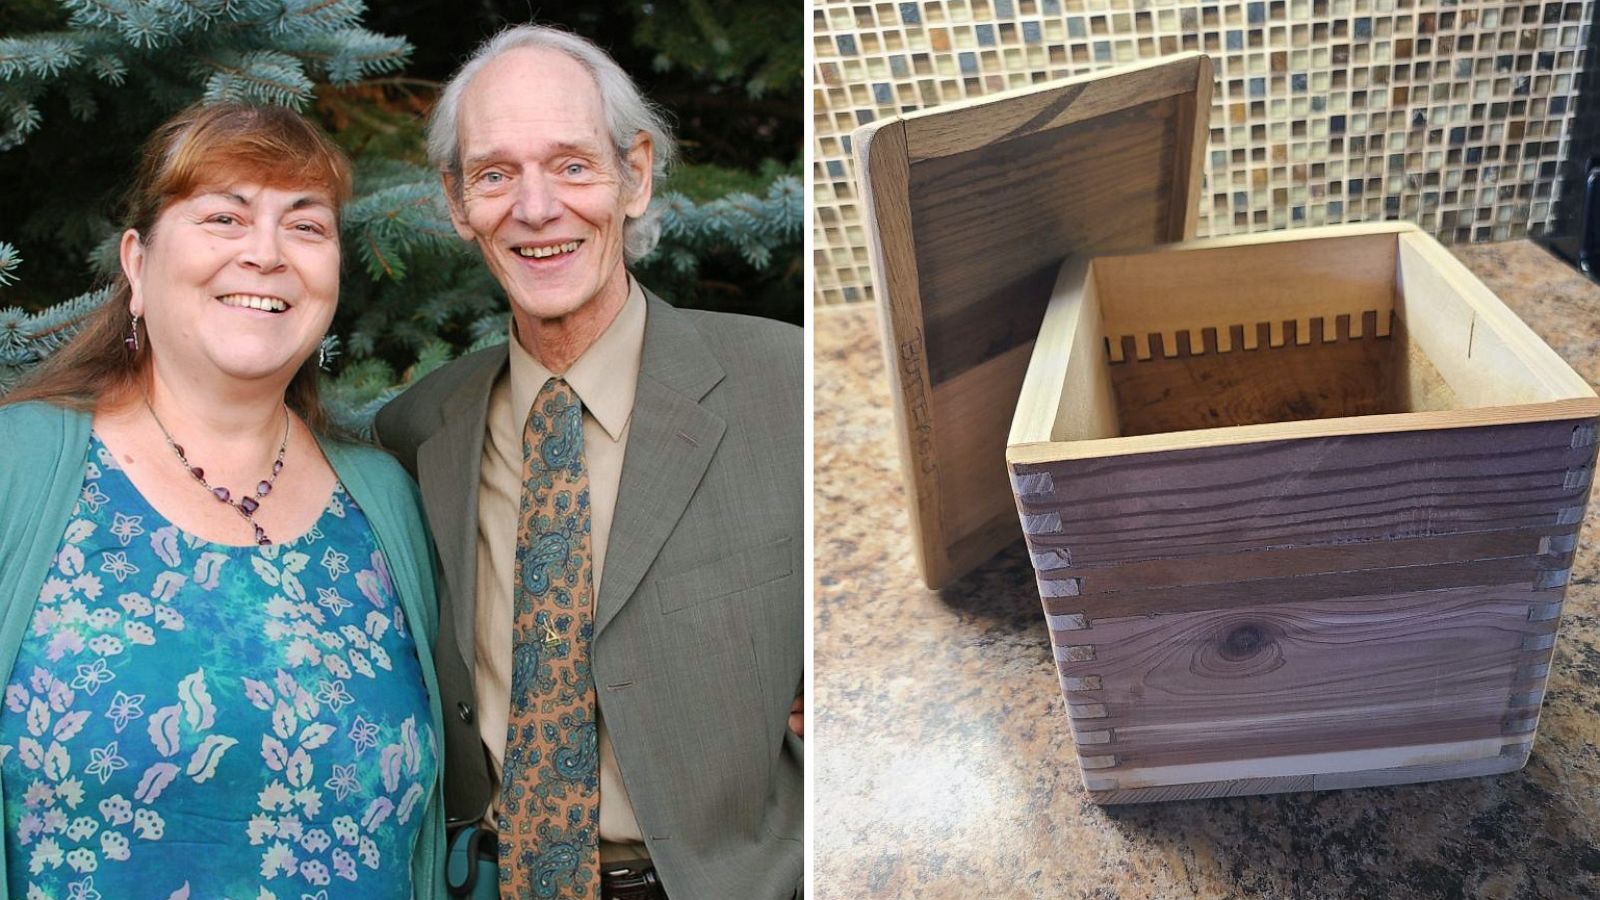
943 759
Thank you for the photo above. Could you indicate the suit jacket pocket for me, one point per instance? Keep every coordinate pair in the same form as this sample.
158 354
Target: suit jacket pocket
738 571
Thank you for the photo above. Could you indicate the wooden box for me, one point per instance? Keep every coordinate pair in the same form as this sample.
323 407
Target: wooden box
1302 505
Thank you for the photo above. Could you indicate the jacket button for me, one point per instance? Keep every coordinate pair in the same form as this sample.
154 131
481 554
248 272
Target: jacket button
464 711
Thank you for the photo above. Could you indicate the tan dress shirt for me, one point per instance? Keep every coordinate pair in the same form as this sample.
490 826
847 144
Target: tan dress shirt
604 378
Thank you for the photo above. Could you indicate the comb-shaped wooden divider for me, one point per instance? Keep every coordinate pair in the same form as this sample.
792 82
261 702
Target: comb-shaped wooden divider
1309 331
1326 547
1311 368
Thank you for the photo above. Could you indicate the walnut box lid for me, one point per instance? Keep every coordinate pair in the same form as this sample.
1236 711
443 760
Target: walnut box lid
970 210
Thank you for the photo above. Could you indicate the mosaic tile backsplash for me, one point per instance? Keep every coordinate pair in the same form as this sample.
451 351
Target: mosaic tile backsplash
1456 116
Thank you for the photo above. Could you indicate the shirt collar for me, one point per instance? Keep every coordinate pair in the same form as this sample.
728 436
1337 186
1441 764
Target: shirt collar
605 376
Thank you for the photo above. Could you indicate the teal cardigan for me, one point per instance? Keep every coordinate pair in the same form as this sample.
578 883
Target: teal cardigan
43 451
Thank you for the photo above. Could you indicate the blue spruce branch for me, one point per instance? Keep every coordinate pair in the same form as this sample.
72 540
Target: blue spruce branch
312 16
396 221
259 76
27 338
10 259
43 55
348 55
753 226
256 51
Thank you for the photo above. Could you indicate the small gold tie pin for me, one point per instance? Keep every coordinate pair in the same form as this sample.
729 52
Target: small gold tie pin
550 637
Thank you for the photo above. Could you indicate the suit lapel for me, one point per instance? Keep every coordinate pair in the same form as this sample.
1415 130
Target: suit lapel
671 441
448 465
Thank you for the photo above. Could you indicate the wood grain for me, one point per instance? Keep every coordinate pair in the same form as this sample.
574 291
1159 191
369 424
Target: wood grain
996 118
1504 572
993 224
1334 675
1244 567
1232 620
883 167
1290 383
1215 500
1511 758
1323 274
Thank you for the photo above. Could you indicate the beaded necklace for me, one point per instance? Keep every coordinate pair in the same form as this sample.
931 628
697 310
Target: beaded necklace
244 506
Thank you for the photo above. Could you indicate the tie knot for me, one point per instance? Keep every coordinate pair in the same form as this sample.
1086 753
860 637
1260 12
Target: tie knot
557 390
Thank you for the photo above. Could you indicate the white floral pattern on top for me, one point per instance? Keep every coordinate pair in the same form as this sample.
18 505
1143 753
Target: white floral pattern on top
260 708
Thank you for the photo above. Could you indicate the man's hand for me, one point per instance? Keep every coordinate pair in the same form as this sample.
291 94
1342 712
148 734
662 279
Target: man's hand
797 717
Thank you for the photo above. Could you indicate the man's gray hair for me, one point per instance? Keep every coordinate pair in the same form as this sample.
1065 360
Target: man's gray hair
627 114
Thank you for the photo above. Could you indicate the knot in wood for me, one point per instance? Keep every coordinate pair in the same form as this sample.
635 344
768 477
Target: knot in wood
1239 649
1244 642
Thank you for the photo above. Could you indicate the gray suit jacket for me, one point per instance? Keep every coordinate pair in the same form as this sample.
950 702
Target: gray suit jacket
698 648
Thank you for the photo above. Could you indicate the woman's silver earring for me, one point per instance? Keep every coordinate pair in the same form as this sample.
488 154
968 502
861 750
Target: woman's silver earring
132 340
327 350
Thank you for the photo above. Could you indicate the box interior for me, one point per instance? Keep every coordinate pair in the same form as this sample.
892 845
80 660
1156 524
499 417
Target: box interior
1276 329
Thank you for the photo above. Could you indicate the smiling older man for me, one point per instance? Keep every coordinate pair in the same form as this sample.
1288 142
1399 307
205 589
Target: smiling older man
624 735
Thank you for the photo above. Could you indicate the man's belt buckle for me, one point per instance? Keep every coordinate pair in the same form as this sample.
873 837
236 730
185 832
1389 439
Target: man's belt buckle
633 879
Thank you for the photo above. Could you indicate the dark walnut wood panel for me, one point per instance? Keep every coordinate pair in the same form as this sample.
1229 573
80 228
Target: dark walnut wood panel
1214 500
993 225
1252 565
970 445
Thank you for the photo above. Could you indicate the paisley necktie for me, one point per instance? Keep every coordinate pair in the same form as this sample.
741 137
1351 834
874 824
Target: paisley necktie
549 818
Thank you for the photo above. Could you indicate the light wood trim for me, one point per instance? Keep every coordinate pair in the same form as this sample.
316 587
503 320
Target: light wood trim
1511 759
1345 273
1190 187
970 442
1486 354
1025 454
959 127
1067 395
1296 235
1315 764
884 172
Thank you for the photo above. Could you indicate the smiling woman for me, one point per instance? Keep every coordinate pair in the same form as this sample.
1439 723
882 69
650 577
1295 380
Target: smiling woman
198 154
192 564
247 278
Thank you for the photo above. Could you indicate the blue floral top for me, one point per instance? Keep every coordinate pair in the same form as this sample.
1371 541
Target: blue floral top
191 719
